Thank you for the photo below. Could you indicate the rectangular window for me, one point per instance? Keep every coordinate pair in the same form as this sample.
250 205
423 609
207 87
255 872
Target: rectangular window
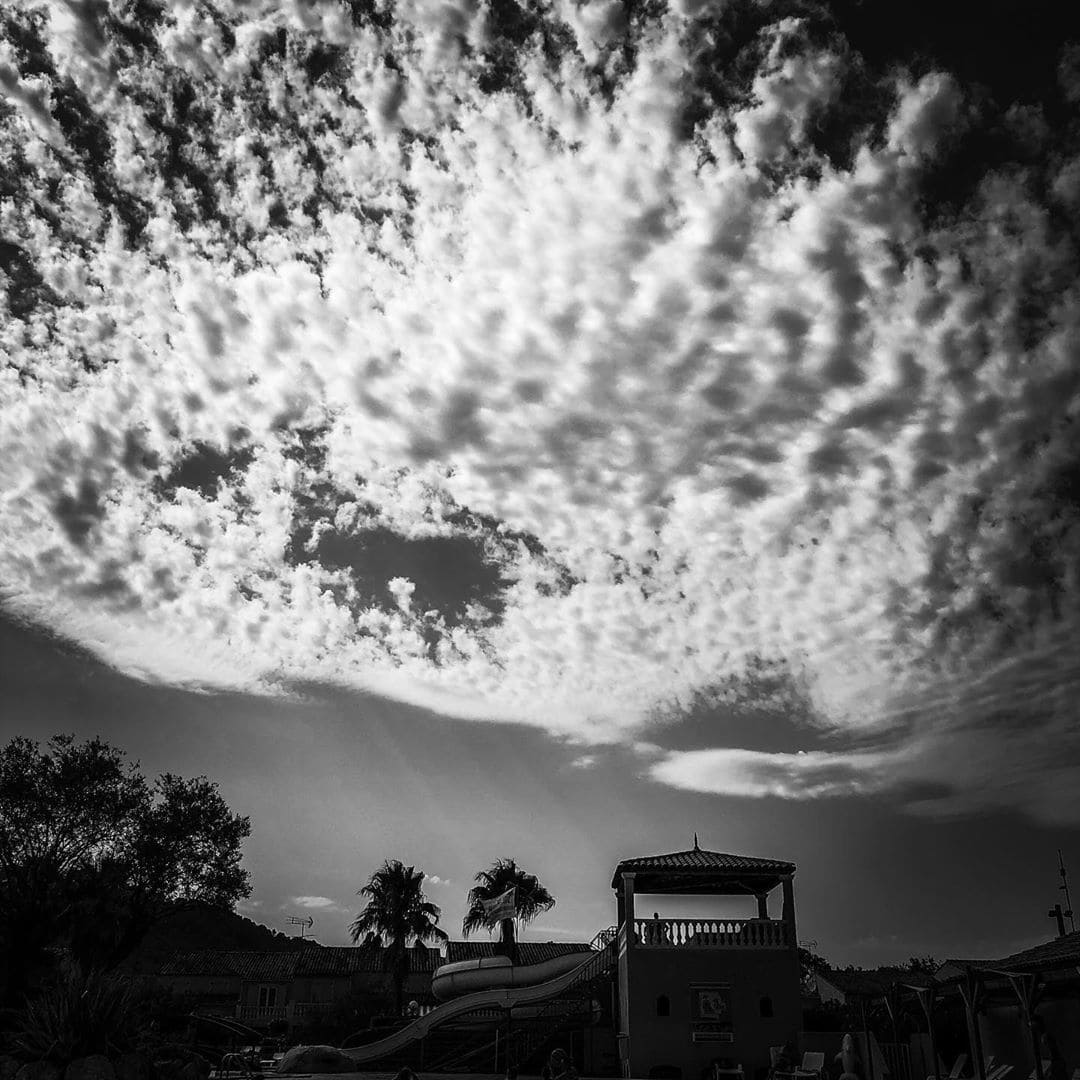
267 997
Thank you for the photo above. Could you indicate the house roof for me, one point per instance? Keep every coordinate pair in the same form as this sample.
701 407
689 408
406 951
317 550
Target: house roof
703 872
262 964
873 983
1053 955
529 952
270 966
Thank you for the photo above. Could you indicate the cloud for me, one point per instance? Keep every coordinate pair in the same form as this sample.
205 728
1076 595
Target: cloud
434 879
594 369
316 903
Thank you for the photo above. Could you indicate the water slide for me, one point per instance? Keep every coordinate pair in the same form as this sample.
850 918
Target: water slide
522 989
468 976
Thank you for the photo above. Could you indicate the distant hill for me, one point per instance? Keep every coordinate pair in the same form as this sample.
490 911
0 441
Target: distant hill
205 927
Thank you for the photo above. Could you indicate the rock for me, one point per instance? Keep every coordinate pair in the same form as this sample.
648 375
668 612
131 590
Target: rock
134 1066
94 1067
38 1070
9 1066
316 1059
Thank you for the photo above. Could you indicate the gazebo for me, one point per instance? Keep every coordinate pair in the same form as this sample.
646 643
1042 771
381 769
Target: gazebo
692 989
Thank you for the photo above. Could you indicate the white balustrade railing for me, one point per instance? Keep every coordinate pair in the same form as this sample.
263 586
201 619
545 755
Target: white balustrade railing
311 1008
260 1012
710 934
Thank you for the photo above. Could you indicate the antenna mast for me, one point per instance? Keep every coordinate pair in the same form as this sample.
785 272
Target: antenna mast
304 924
1064 887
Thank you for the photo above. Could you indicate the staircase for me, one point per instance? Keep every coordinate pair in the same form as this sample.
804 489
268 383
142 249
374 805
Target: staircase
436 1042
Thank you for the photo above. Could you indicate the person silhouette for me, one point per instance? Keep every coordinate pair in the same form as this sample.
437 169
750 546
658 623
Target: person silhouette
558 1067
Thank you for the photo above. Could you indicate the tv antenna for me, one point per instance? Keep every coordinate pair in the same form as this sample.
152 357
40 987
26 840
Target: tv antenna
1055 912
304 924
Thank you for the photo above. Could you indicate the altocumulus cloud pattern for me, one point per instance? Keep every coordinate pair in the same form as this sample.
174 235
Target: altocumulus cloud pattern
573 365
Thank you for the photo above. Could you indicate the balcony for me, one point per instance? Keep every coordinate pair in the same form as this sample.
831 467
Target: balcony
711 934
262 1014
310 1010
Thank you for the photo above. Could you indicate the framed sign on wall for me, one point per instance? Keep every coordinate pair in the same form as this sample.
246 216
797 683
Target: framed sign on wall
710 1012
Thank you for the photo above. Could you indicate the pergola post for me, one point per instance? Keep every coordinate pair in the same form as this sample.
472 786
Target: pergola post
1028 989
762 905
869 1045
972 992
892 1006
927 997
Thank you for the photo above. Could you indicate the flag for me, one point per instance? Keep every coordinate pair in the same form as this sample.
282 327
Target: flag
502 907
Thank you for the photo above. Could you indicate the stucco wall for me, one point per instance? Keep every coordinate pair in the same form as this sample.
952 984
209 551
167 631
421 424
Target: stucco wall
753 974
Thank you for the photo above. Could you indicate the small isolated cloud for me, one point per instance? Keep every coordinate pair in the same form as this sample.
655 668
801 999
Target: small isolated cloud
316 903
756 774
434 879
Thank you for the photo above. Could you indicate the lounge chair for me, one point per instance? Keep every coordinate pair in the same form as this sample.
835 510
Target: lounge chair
812 1064
956 1070
999 1072
1045 1069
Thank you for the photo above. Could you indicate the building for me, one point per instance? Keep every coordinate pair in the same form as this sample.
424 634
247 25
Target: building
318 986
692 990
304 988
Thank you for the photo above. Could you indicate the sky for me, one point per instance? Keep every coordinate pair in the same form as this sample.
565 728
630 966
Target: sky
477 430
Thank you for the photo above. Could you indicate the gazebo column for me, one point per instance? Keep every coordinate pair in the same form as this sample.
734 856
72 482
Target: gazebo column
972 992
788 911
626 903
762 905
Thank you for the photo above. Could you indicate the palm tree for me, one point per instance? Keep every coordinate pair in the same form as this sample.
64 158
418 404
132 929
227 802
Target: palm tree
530 899
397 914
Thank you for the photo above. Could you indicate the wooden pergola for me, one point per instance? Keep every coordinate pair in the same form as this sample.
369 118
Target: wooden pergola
1025 979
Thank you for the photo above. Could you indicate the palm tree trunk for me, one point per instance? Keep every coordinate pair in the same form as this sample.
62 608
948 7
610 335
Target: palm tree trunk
400 969
507 940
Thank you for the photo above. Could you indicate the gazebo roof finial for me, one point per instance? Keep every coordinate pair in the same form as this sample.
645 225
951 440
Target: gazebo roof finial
696 848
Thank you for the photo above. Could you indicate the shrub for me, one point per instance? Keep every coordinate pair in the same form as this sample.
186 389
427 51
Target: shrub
78 1014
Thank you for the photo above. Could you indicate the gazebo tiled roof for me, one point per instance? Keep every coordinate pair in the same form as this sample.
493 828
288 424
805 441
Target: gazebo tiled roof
697 870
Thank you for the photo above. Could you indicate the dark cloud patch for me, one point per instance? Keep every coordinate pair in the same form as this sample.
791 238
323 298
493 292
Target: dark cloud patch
78 513
450 573
203 468
765 708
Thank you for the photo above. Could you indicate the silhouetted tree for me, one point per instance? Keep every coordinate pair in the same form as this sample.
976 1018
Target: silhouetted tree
922 965
810 964
530 899
92 854
397 914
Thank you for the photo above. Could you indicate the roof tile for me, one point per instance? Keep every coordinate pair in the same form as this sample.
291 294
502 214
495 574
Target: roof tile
696 860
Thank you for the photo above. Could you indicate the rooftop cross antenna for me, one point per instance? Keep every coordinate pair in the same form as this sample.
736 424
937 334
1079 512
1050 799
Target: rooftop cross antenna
1064 887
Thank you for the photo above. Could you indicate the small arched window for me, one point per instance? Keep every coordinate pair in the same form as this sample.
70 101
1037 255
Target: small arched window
663 1006
765 1007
